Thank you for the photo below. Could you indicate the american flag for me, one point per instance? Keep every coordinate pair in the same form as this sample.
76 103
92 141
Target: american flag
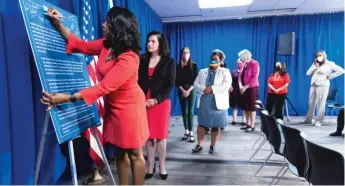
87 34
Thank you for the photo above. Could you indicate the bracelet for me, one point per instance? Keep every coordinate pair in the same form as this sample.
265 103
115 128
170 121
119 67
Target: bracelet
73 98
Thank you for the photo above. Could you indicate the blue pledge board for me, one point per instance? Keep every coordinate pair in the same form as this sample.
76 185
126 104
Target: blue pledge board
58 71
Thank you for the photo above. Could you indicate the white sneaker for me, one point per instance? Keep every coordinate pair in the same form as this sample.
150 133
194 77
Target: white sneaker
318 124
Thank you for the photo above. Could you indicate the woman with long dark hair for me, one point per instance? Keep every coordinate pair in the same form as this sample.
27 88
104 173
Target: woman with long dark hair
125 124
156 78
278 83
186 73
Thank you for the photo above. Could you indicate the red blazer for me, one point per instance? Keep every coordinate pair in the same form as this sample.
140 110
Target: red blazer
125 121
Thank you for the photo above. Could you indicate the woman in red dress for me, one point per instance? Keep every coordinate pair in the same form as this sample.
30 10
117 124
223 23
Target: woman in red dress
117 66
156 78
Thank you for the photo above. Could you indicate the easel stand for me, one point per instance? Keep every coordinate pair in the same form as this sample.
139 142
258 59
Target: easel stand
71 154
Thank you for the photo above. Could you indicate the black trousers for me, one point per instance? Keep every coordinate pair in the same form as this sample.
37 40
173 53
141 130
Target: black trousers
340 121
277 101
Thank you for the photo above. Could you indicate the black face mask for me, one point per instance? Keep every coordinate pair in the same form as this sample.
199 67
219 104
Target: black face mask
278 69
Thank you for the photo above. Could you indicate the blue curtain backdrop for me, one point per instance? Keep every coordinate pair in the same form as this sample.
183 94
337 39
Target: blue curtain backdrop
260 36
147 19
21 113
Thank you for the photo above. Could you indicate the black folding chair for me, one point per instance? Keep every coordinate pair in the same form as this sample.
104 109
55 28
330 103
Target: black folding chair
294 153
276 140
326 166
259 106
264 132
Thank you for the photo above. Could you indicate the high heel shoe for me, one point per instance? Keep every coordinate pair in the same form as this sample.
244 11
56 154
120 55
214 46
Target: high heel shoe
150 175
163 176
185 136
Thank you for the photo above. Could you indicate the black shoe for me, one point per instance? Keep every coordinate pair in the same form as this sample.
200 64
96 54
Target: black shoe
243 124
250 129
336 134
185 137
245 127
197 148
212 150
163 176
150 175
233 123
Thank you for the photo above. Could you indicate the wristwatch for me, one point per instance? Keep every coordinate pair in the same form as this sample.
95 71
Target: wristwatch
73 98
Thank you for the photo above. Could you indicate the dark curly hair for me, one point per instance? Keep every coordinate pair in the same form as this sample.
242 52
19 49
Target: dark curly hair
163 46
124 32
219 54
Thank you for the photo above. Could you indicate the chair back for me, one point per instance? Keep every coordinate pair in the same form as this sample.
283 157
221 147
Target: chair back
263 126
332 94
294 153
326 165
274 134
260 104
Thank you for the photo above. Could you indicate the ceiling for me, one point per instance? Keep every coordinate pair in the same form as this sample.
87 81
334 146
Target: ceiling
188 10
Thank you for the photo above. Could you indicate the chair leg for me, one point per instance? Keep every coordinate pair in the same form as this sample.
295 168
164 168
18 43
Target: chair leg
257 150
257 172
256 142
287 168
277 175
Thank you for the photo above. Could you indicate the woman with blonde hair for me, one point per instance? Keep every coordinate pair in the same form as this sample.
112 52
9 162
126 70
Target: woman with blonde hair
249 83
322 71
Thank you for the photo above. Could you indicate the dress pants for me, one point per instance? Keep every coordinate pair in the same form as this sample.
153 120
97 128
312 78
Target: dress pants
317 96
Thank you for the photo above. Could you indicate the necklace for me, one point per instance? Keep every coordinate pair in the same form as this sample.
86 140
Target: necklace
109 56
275 77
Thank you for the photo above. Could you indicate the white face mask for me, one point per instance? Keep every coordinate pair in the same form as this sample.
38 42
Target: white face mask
319 59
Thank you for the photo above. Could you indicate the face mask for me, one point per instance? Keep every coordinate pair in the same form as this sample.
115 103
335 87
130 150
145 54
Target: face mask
278 68
319 58
239 65
214 64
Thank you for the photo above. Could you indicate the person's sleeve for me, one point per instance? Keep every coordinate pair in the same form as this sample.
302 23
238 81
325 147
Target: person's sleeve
124 68
255 74
74 44
225 85
287 78
311 70
169 81
336 71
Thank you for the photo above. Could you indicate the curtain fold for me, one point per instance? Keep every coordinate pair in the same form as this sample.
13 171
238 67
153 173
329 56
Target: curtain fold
5 122
260 36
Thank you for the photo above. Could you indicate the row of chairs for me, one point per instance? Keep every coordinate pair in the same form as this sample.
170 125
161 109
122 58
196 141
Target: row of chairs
316 164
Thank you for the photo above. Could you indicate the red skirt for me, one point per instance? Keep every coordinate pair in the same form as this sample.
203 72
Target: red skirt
158 118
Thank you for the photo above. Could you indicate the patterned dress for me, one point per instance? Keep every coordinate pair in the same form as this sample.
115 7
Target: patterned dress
209 115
